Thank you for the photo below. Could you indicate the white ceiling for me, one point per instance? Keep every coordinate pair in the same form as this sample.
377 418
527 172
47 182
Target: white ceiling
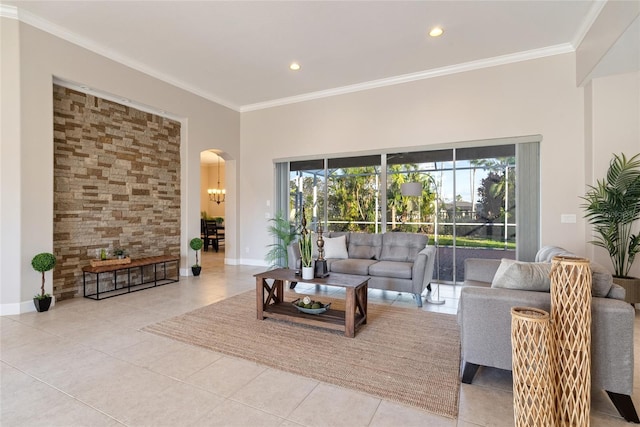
237 53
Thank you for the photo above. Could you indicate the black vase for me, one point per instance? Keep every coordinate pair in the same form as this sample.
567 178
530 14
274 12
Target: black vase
42 304
196 270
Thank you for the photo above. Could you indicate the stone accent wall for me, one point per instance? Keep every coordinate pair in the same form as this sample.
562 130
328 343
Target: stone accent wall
116 184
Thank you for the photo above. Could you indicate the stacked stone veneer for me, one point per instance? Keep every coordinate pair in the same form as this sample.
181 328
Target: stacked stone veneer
116 184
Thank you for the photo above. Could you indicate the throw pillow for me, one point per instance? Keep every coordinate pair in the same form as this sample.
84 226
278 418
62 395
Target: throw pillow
335 247
526 276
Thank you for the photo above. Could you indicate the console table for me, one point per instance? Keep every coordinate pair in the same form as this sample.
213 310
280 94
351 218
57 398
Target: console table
113 271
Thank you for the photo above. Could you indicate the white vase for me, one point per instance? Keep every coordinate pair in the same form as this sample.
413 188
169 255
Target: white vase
307 273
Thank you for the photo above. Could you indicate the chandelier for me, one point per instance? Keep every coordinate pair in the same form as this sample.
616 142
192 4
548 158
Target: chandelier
217 194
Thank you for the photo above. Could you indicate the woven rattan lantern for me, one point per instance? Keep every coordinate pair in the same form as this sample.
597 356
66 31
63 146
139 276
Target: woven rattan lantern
533 376
571 320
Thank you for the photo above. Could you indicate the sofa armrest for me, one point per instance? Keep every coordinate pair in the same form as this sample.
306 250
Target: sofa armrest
480 269
484 316
612 323
422 270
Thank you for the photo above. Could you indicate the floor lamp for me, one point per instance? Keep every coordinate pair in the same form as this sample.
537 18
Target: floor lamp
414 189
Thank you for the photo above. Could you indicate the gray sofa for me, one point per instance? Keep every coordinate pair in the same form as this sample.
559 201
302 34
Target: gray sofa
485 324
394 261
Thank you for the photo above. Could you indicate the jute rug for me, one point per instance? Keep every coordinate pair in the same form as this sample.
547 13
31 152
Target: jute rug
403 355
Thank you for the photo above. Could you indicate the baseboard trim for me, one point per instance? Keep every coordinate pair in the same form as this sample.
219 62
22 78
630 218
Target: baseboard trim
21 307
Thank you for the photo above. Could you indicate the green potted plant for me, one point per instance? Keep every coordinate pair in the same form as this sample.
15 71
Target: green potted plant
306 249
43 262
119 253
613 206
196 244
284 233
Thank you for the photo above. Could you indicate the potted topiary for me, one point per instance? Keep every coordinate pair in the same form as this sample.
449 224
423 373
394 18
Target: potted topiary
43 262
613 206
196 244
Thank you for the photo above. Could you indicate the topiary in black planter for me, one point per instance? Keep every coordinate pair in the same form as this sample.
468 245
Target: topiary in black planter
196 244
43 262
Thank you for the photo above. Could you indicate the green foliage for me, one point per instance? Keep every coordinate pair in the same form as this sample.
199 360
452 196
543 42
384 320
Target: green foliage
306 249
283 232
43 262
196 244
612 206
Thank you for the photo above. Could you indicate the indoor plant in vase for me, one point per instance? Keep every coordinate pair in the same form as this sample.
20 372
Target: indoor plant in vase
196 244
43 262
613 206
306 250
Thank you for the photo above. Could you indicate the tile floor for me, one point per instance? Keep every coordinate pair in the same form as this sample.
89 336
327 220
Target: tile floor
86 363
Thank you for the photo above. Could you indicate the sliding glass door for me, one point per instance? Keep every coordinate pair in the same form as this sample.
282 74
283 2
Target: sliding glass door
463 198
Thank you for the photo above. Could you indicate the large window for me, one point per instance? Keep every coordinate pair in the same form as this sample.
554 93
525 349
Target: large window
465 199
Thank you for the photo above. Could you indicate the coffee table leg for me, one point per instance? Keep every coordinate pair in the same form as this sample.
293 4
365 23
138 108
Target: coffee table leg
362 301
350 313
259 299
275 295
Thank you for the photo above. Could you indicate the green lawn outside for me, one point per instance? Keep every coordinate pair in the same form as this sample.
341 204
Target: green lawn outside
475 243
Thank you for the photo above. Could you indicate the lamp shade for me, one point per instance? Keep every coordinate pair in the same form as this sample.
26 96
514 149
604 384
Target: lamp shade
411 189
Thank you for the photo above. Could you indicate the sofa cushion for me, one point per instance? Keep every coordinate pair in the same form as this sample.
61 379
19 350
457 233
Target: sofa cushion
335 247
365 245
528 276
352 266
404 247
546 253
617 292
601 280
395 269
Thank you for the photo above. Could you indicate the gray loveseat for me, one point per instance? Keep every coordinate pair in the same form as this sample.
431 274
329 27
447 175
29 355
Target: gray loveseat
394 261
484 315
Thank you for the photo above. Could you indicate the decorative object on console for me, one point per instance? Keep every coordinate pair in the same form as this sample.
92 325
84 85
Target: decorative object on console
571 320
321 263
613 207
43 262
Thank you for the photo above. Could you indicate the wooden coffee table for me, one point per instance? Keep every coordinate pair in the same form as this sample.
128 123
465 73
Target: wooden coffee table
270 300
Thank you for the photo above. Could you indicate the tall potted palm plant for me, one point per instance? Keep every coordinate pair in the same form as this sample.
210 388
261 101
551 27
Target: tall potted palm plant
284 233
613 207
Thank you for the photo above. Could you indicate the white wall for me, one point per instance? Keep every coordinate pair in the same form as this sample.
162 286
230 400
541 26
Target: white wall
39 58
527 98
614 124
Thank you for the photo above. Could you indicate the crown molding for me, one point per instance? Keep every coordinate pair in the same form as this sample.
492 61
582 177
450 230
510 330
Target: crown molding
421 75
7 11
58 31
593 14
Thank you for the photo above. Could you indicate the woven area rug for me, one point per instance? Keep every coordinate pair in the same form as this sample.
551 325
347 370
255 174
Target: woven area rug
404 355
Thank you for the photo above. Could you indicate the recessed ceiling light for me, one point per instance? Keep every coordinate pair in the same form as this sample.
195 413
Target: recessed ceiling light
294 66
436 32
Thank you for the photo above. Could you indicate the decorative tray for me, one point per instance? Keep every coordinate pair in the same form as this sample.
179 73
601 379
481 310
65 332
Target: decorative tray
322 309
114 261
